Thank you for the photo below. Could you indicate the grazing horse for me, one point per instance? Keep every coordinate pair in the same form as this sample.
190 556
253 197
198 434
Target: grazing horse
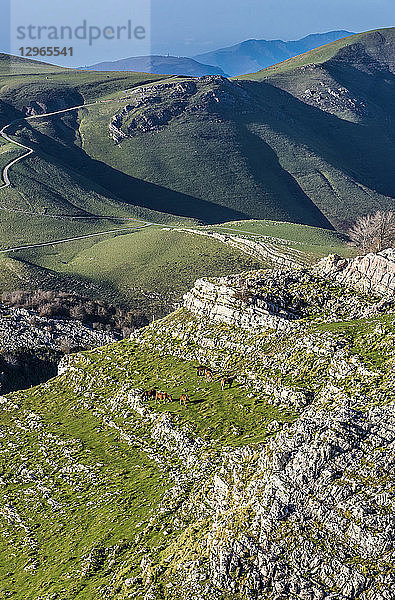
160 397
168 398
227 381
201 370
149 394
184 400
209 375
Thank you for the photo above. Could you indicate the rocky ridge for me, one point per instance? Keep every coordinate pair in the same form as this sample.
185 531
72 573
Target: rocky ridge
155 106
278 298
372 274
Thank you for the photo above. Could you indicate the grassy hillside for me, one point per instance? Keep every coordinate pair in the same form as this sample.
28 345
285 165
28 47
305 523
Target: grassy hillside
101 491
318 56
153 267
313 242
156 261
19 91
231 183
313 145
16 65
126 485
59 179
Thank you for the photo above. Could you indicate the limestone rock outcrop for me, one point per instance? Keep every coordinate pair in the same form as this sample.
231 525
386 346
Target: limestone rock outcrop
220 301
277 299
373 273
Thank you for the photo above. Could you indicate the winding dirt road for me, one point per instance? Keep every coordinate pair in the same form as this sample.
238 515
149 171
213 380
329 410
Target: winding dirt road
6 179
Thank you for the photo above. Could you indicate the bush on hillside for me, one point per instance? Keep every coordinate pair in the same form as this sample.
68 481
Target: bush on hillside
374 232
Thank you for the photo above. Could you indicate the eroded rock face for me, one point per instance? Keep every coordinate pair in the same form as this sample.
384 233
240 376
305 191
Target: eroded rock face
219 301
154 107
373 273
277 299
332 99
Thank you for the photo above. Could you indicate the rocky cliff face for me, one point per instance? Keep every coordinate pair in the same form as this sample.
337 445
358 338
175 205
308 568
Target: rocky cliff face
232 304
373 273
277 299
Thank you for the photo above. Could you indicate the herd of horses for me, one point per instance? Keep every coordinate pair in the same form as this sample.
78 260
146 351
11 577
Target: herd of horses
202 371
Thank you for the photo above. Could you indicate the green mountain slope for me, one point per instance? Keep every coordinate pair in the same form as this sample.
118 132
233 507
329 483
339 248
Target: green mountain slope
309 144
152 268
16 65
155 261
312 144
47 182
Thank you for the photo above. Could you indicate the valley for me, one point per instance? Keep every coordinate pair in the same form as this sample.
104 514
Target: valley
80 182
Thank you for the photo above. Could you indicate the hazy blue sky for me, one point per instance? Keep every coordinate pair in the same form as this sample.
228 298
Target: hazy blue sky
186 27
189 27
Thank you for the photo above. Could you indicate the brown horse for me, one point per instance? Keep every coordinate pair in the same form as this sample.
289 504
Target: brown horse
200 370
227 381
149 394
184 400
209 375
160 397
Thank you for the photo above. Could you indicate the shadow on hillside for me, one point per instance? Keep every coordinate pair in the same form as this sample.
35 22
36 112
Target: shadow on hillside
378 88
287 199
270 138
364 151
124 188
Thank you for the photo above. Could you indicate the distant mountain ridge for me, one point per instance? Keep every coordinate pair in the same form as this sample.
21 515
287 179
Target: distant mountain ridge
254 55
161 65
247 57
